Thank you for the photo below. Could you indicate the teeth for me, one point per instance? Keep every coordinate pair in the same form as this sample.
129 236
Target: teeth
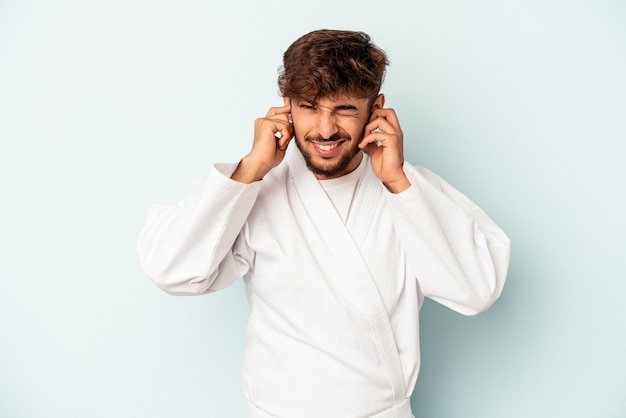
326 147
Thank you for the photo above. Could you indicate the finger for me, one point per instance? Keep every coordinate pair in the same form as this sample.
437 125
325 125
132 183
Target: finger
384 112
378 139
387 114
372 148
382 124
278 111
284 142
284 133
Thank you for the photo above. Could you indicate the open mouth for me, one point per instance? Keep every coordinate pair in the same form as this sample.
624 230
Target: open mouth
327 149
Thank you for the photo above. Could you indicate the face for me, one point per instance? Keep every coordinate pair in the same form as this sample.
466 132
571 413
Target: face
328 132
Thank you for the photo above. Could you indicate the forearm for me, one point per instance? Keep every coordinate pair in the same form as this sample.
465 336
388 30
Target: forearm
249 171
182 246
459 255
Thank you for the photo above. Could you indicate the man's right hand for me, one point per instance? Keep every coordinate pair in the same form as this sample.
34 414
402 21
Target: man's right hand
272 134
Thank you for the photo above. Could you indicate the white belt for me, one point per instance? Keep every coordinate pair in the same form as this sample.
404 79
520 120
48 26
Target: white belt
402 410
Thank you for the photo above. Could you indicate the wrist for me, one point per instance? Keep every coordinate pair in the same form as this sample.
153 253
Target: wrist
248 171
398 185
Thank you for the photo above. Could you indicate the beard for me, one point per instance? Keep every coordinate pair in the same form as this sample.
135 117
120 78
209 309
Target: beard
328 169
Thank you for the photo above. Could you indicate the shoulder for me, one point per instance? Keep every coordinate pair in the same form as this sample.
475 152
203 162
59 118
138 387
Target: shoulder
419 174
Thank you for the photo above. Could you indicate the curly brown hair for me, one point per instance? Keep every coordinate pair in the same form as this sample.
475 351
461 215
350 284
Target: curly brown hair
328 63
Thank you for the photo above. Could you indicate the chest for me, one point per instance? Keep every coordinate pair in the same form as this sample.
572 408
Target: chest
302 255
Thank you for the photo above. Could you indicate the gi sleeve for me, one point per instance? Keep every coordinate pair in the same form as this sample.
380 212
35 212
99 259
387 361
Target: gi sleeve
198 246
459 255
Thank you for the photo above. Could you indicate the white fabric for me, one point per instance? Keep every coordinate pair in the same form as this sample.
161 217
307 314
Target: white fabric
340 190
334 307
402 410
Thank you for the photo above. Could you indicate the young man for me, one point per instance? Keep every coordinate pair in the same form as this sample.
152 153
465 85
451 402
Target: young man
337 246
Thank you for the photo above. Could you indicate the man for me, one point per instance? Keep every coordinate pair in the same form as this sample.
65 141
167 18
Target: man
337 246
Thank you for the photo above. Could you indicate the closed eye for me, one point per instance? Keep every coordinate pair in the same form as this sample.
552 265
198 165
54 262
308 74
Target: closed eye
347 112
341 110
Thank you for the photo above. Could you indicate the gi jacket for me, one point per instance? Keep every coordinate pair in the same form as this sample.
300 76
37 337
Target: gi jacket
334 307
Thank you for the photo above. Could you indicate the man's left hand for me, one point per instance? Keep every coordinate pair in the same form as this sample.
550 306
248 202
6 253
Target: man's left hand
383 140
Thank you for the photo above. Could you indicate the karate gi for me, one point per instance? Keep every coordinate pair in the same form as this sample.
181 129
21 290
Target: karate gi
334 306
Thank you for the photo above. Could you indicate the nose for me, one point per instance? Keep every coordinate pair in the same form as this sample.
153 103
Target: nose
326 125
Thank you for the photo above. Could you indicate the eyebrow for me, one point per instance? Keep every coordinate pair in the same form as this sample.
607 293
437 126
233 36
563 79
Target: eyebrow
340 107
345 107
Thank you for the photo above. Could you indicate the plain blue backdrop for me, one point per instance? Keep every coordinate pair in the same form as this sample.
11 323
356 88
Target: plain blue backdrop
109 106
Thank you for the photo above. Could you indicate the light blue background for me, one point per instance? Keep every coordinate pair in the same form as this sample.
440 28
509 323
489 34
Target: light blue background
109 106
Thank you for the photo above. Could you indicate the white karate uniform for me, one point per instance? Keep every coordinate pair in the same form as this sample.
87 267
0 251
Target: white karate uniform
334 306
